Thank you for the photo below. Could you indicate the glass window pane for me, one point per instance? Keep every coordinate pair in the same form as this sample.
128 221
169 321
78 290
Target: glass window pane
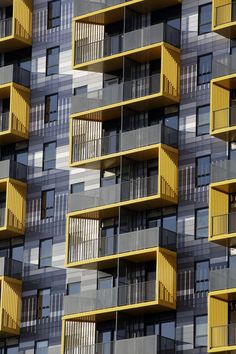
13 350
48 198
74 288
44 297
51 108
204 69
53 61
205 16
45 253
168 329
202 276
49 156
41 347
201 331
77 187
18 253
203 120
203 170
54 13
201 223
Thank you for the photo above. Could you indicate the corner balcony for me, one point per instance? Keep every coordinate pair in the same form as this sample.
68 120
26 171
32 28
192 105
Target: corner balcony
12 207
106 54
151 91
139 345
85 153
10 306
224 18
223 121
16 31
222 333
222 226
14 86
88 9
93 248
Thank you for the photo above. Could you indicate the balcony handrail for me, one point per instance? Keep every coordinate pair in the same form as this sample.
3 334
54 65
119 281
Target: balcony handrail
124 91
82 7
14 73
11 268
223 170
223 278
6 27
161 32
223 65
223 335
123 141
121 295
137 188
81 249
13 169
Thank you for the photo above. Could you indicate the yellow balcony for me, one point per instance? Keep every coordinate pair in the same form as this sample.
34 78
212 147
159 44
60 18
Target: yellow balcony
14 123
221 329
224 17
143 93
158 294
223 115
10 306
16 31
13 205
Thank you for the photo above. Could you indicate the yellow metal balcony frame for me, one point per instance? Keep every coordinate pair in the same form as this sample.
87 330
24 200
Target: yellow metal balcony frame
222 18
220 110
15 209
218 319
165 292
21 35
10 306
18 118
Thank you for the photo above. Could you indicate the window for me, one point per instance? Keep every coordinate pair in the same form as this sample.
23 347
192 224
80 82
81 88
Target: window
41 347
51 108
49 156
18 253
12 350
44 303
54 13
77 187
203 165
45 253
201 276
203 120
73 288
81 90
201 223
52 61
204 69
200 331
47 209
204 19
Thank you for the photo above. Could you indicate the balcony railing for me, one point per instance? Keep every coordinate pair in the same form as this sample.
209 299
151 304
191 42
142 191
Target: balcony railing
116 93
2 213
139 345
10 268
223 170
221 279
224 14
224 118
223 224
14 73
4 121
223 336
139 38
84 150
124 191
93 300
13 169
5 27
82 7
122 243
224 65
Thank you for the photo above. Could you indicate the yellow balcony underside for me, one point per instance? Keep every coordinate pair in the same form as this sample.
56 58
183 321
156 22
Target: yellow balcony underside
223 18
21 35
14 224
18 119
115 13
10 306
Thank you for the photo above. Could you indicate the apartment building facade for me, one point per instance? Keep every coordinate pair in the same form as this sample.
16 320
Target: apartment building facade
117 176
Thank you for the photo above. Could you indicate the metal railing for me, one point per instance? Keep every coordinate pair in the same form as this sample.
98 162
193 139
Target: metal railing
225 13
223 65
223 336
111 297
14 73
139 345
13 169
224 118
4 121
116 93
82 7
134 189
84 150
139 38
10 268
223 224
224 278
223 170
5 27
121 243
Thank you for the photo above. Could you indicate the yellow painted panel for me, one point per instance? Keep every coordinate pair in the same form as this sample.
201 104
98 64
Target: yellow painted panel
166 268
20 110
221 12
22 14
217 317
171 71
168 173
220 101
218 206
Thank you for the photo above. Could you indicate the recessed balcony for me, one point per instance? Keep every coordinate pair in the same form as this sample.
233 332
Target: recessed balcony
224 17
16 29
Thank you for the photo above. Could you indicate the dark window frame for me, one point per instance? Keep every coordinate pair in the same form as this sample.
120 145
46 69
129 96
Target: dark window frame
51 19
52 66
40 250
197 176
45 209
203 125
195 223
203 280
47 115
199 19
205 73
49 160
38 294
